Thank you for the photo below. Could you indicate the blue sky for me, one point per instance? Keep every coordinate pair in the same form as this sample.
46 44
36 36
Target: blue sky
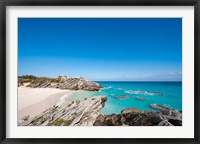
121 49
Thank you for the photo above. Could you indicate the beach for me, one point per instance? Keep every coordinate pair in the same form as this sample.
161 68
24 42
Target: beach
33 101
87 103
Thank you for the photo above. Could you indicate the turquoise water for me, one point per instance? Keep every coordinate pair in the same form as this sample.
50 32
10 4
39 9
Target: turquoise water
122 95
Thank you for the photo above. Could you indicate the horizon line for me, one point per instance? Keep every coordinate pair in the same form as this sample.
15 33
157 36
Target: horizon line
109 80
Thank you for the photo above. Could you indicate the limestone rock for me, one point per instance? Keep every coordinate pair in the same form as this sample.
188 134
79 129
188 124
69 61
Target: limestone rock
136 117
78 113
140 98
164 123
64 82
122 97
130 110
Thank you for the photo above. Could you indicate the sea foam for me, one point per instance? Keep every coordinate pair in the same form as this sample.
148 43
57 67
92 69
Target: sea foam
143 92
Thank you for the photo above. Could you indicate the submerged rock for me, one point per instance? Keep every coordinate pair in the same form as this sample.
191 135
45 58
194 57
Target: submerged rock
144 92
122 97
140 98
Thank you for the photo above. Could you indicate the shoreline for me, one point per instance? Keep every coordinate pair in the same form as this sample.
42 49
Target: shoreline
33 101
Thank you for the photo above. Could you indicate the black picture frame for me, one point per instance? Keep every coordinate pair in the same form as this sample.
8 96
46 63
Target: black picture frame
5 3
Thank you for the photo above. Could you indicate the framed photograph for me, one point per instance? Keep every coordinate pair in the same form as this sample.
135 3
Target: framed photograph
99 71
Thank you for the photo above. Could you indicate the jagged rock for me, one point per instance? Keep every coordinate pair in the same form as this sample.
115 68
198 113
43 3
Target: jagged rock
88 85
63 79
108 120
169 113
175 122
45 84
130 110
142 118
136 117
70 83
64 82
163 109
130 117
34 85
78 113
79 84
164 123
53 85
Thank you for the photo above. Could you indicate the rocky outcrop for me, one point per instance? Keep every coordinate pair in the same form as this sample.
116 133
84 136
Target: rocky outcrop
78 113
122 97
140 98
64 82
144 92
79 84
136 117
173 116
87 113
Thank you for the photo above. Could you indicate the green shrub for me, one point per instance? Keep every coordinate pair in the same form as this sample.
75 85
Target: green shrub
27 77
66 123
42 120
57 122
77 101
60 122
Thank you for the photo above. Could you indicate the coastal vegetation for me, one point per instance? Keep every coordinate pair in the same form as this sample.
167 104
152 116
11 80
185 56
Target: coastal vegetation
79 113
61 82
36 80
136 64
87 112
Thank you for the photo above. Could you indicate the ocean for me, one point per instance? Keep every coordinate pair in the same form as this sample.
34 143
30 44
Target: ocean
122 95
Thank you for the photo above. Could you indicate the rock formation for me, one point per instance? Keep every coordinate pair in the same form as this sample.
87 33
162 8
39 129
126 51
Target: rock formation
87 113
140 98
135 117
122 97
63 82
144 92
77 113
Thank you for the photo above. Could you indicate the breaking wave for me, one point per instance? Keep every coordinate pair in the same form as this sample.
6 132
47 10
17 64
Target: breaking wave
143 92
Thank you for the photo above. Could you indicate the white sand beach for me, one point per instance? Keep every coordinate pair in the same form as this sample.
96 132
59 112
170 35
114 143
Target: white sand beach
33 101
